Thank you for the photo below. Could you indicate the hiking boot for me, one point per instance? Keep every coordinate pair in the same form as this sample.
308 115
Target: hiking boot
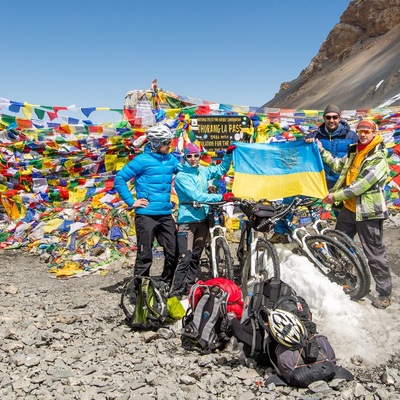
382 302
278 238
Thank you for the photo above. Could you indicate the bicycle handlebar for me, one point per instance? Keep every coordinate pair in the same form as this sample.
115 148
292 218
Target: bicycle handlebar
248 201
308 202
197 204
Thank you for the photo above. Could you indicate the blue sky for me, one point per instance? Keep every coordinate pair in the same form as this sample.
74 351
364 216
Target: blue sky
90 53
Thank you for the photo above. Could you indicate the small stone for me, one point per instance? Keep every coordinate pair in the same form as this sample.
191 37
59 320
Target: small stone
32 361
359 390
165 333
11 289
149 336
12 346
67 318
319 387
187 380
356 360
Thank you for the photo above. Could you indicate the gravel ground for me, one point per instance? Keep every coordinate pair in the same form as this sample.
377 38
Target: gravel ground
66 339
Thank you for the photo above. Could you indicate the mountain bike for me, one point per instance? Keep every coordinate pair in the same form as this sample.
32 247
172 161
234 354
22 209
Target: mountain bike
217 249
258 258
329 255
322 228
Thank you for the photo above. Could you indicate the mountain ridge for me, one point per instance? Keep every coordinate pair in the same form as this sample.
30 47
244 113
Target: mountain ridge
357 66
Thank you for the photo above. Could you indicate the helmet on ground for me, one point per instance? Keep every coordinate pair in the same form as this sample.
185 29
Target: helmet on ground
286 328
157 135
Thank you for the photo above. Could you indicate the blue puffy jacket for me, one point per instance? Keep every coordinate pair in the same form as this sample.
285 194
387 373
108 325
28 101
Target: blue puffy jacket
153 173
336 143
191 184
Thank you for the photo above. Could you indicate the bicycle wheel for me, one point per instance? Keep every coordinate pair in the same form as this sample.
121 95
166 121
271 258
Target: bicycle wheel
344 268
266 265
356 251
223 259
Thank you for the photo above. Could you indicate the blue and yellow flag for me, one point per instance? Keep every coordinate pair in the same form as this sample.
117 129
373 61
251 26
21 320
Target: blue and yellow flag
277 170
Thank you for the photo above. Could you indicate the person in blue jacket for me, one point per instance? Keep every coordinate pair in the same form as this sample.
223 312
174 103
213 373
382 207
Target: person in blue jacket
335 136
191 184
153 172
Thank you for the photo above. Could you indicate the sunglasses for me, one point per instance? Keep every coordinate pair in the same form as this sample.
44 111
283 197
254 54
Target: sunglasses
365 131
166 142
193 155
329 117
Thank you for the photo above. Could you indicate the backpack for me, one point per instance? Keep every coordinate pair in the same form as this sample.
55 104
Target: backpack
294 304
272 293
265 293
299 365
296 366
315 362
269 294
211 304
144 302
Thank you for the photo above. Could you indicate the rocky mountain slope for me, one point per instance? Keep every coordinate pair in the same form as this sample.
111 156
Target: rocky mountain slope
358 65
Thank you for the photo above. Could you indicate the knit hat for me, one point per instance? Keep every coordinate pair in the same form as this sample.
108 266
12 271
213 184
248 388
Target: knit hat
332 108
367 124
192 149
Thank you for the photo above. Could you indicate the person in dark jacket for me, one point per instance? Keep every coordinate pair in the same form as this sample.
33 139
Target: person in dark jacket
153 172
335 136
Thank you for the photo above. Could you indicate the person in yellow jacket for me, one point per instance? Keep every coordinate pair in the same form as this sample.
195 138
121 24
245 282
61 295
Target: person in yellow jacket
361 187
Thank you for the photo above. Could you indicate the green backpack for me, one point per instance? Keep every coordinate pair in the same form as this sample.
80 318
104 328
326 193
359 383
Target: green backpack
144 302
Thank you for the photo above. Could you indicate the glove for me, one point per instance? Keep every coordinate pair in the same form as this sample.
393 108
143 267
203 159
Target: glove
228 196
230 149
212 189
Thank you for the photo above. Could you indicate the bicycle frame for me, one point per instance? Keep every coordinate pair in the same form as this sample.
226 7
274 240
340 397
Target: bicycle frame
253 238
319 225
257 257
217 243
216 231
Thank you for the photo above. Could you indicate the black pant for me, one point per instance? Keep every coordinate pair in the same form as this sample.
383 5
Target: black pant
163 228
370 233
191 241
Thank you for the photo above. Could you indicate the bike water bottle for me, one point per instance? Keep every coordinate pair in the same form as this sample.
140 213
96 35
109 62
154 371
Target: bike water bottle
216 218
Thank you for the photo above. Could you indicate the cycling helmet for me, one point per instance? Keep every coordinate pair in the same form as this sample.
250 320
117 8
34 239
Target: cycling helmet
287 329
158 134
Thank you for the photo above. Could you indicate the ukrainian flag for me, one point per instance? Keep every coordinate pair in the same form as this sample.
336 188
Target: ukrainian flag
277 170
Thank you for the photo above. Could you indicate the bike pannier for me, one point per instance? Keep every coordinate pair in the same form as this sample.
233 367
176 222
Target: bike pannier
260 212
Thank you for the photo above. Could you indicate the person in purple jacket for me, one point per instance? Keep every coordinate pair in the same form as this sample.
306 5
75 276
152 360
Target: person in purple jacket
153 172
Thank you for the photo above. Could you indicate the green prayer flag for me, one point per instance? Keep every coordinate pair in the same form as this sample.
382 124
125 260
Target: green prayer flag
39 113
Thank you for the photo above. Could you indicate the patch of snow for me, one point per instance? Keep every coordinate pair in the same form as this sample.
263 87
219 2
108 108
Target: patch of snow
390 101
353 328
379 84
